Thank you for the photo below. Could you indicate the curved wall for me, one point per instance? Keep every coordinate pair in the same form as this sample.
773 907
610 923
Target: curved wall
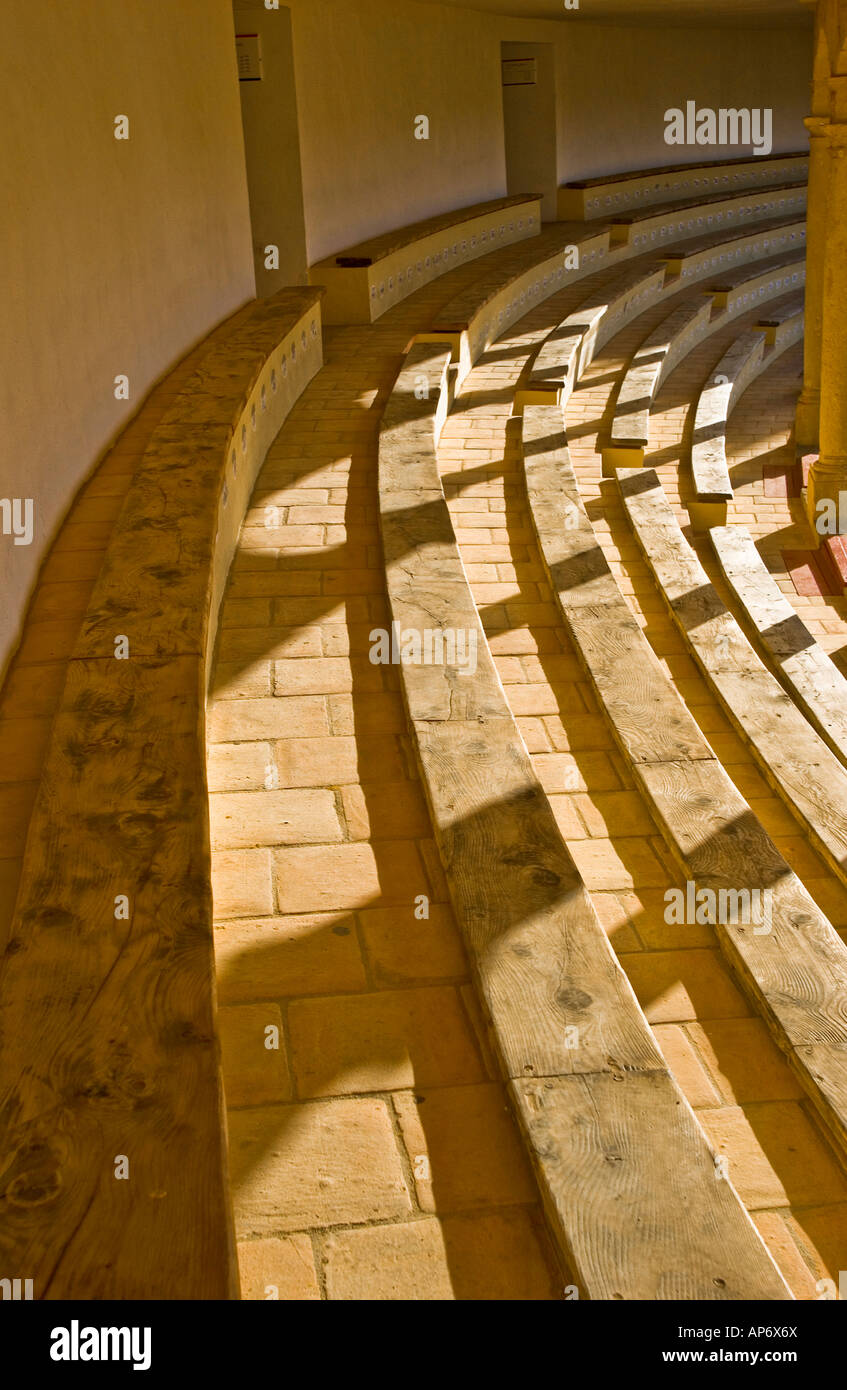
118 256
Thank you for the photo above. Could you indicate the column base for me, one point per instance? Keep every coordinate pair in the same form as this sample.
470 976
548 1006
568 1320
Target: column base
826 497
807 419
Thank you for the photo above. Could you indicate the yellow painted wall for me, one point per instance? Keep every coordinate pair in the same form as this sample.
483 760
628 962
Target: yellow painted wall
272 147
366 68
117 256
615 84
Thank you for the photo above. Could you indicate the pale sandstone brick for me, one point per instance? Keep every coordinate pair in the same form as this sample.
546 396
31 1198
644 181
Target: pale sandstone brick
567 817
775 1231
241 883
389 811
300 716
464 1148
254 1073
326 1163
247 643
568 772
402 948
686 1066
775 1155
821 1234
615 814
681 986
382 1041
238 766
339 759
616 921
347 876
239 820
744 1062
611 864
275 957
647 907
367 714
325 676
490 1257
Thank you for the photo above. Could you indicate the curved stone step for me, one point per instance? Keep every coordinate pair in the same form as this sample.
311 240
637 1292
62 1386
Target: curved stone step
647 229
796 972
512 283
813 679
366 280
107 988
611 193
793 757
736 292
663 350
703 255
627 1175
660 352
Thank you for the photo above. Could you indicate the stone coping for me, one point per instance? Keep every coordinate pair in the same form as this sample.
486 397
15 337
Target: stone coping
107 991
582 1067
796 973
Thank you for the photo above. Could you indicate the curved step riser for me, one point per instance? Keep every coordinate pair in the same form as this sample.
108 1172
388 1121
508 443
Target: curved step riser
796 971
617 1150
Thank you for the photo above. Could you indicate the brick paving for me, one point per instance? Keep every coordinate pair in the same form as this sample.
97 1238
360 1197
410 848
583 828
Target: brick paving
372 1152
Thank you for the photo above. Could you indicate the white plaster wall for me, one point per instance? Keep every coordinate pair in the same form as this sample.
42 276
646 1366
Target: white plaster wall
366 68
117 256
272 147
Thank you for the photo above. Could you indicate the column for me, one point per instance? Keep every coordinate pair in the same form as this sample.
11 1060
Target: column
809 404
828 478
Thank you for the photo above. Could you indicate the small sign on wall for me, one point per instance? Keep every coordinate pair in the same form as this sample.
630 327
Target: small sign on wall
248 47
519 72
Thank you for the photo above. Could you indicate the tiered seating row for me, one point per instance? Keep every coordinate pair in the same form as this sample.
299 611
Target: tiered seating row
748 356
703 255
813 679
475 318
795 965
613 193
584 1073
666 347
107 1003
655 227
793 757
365 280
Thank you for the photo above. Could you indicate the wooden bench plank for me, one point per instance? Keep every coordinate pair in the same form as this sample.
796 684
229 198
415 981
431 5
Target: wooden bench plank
364 281
511 284
611 193
561 1010
707 254
647 229
813 679
660 352
797 971
108 1041
793 757
710 470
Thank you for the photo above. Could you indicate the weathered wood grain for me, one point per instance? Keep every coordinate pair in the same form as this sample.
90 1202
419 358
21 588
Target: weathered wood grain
796 971
555 998
812 677
108 1042
793 757
619 1195
610 193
